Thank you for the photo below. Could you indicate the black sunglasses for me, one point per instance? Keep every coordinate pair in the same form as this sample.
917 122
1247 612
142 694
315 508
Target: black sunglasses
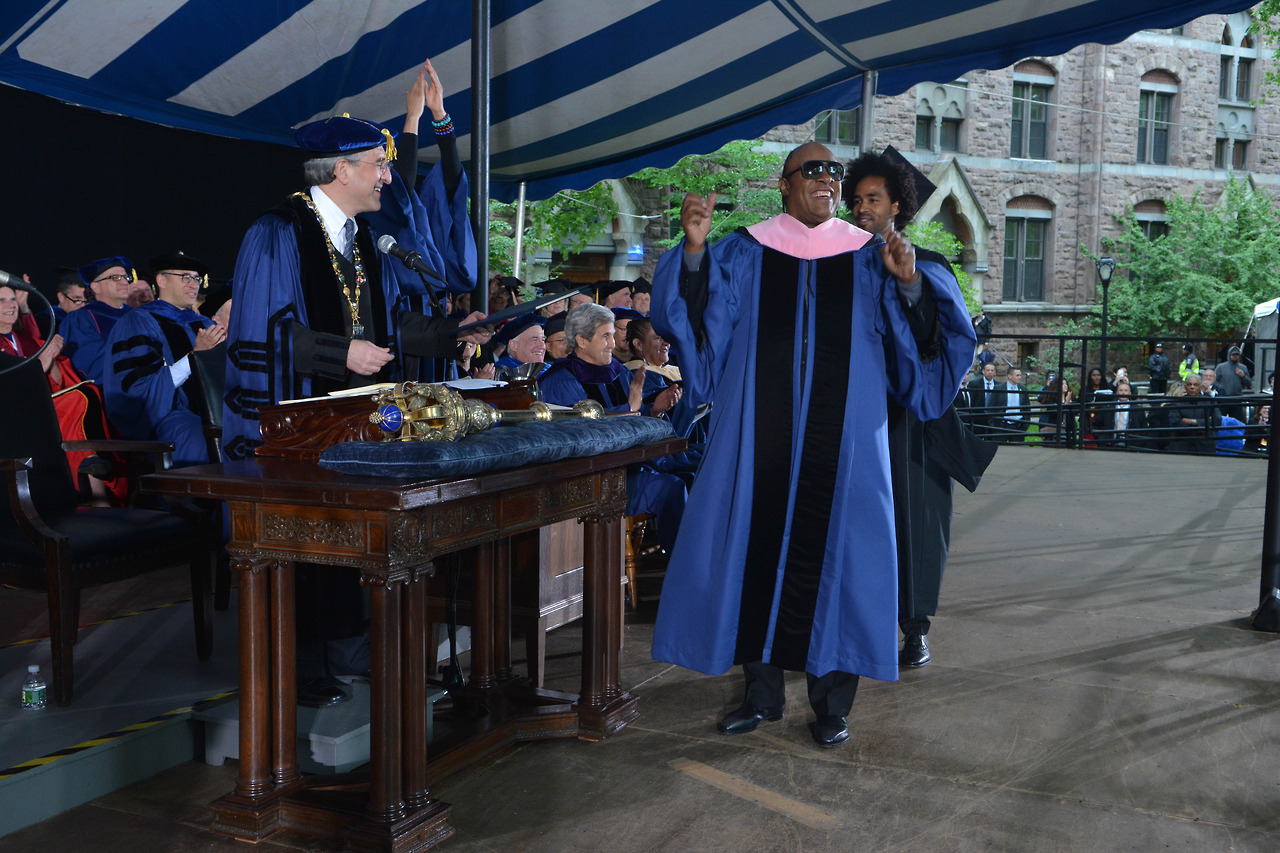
813 169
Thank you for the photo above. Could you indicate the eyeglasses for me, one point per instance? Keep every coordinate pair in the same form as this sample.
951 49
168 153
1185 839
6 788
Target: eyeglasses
813 169
187 277
381 164
117 278
74 300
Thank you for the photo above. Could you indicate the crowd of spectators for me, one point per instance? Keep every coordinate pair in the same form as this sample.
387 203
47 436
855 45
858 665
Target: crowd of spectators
1188 406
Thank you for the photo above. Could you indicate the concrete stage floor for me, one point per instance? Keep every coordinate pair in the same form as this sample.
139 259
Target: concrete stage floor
1095 687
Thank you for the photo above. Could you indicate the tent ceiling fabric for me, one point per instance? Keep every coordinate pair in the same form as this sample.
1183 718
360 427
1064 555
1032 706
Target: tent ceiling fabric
581 89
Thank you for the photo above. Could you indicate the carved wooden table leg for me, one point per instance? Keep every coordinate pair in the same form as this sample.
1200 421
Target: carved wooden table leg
386 802
502 611
482 619
603 707
254 778
415 690
284 675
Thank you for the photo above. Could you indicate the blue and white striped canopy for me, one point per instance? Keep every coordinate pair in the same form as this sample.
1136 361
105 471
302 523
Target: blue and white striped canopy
581 89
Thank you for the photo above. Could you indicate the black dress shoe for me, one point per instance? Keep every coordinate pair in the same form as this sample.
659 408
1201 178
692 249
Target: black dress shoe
830 731
746 718
915 652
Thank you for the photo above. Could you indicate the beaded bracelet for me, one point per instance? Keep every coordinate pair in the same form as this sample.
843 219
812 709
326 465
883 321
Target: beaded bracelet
444 126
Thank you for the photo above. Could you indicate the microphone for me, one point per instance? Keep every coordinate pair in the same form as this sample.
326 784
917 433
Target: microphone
8 279
412 260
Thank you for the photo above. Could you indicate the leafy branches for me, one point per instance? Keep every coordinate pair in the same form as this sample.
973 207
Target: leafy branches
738 175
1205 274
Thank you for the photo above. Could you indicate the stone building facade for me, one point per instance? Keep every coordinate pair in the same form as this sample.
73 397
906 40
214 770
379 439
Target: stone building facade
1035 160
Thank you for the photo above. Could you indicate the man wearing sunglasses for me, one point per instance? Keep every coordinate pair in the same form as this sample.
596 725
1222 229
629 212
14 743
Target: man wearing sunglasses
148 393
86 331
796 333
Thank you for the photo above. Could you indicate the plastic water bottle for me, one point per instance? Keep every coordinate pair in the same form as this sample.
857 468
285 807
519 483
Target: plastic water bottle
33 689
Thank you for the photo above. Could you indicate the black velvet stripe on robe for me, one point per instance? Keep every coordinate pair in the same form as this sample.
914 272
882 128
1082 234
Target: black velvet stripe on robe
781 365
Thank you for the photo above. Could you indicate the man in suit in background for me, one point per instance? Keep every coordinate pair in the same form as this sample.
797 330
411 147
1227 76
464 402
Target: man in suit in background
1013 400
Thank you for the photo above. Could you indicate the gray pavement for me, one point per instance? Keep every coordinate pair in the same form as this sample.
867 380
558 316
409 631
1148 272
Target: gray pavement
1095 686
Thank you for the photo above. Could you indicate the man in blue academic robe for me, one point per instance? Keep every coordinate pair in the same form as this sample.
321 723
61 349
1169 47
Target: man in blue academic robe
86 330
149 365
316 307
796 333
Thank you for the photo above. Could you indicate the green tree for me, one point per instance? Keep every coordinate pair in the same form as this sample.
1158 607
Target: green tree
738 174
1265 26
567 222
932 236
1205 275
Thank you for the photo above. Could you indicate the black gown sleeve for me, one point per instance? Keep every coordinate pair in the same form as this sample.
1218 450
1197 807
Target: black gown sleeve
430 337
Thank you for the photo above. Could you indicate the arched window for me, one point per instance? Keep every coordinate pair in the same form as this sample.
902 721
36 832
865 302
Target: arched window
1029 123
1156 100
1027 221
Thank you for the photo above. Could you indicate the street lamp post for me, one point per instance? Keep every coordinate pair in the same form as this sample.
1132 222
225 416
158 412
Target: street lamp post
1106 266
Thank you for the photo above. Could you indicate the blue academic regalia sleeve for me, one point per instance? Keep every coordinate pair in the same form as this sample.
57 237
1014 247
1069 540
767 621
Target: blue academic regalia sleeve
137 384
266 300
926 388
429 223
727 265
84 344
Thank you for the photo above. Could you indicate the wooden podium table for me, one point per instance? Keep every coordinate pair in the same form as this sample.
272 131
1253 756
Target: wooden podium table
286 510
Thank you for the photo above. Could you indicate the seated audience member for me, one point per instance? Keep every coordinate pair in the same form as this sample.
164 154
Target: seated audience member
554 287
1124 425
652 354
78 404
613 294
526 343
1208 383
1192 416
579 298
140 293
650 351
557 343
86 330
1096 388
622 317
590 372
1259 430
641 295
1057 424
217 304
72 294
149 395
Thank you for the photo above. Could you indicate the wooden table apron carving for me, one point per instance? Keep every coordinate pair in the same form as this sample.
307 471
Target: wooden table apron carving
286 510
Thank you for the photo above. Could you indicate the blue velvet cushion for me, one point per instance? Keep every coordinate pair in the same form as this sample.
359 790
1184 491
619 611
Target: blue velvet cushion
495 449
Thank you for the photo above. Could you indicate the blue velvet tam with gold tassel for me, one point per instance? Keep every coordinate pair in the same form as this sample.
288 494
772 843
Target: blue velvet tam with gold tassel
91 271
339 135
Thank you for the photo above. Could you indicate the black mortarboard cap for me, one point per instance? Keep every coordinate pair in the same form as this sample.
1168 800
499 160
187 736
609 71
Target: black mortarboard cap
178 261
554 324
606 288
217 296
627 314
554 285
924 186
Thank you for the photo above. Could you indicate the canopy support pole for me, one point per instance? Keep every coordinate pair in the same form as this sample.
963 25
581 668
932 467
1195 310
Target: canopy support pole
480 21
866 126
519 255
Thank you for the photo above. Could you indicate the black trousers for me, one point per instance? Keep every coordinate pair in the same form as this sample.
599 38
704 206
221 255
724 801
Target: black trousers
830 695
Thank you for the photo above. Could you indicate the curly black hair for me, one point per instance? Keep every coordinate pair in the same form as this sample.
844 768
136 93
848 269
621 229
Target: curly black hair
898 180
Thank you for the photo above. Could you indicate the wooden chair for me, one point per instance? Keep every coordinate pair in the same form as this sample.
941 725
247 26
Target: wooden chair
52 544
634 538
